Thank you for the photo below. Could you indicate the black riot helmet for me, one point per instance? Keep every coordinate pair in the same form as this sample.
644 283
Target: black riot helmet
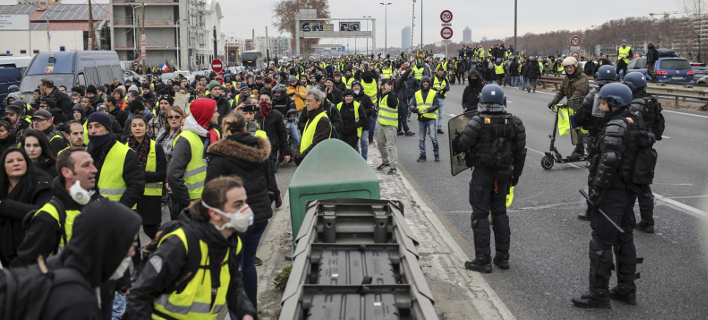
492 99
635 80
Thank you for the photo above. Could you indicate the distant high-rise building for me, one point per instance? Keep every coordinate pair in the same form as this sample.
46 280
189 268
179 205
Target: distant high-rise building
484 39
467 35
406 37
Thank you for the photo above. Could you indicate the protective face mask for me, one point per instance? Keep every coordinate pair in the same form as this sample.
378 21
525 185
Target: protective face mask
79 194
240 220
356 92
120 271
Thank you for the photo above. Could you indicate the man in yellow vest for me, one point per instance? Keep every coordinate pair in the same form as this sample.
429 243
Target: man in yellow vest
441 86
174 285
187 170
499 71
418 69
387 129
74 188
120 176
426 106
318 127
624 54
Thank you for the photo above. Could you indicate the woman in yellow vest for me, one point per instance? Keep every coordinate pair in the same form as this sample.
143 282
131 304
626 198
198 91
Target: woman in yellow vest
154 165
208 234
354 118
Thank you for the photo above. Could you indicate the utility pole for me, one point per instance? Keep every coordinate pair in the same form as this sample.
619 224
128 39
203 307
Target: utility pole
386 26
515 47
92 33
143 39
421 25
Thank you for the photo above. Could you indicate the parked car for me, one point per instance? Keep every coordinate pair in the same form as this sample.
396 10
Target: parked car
702 81
198 73
699 69
669 68
130 75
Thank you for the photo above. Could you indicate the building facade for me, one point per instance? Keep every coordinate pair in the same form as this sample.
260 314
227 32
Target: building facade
467 35
185 34
406 38
272 47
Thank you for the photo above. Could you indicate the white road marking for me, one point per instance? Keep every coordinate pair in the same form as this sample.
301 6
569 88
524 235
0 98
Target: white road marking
698 213
686 114
665 137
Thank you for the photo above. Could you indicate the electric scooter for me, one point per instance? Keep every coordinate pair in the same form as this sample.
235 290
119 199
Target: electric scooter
553 156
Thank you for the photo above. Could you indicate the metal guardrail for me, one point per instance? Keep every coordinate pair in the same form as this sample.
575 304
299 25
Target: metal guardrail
674 90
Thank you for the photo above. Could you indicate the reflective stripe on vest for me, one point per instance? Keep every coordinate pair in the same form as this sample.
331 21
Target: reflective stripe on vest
624 53
441 85
371 90
349 82
195 301
387 73
356 115
421 105
309 133
195 173
387 116
68 224
110 181
152 188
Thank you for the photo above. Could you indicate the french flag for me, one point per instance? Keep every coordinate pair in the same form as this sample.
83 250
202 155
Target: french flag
164 68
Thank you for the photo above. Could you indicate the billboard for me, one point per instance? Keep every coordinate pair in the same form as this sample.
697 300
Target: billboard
14 22
350 26
313 26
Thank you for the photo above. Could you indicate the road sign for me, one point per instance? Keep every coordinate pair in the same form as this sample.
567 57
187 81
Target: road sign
575 55
447 41
575 41
216 65
135 63
447 24
446 16
446 33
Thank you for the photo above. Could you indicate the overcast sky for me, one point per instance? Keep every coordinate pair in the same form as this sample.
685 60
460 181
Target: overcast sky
493 19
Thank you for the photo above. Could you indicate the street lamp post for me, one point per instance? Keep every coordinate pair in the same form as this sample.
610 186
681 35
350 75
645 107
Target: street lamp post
386 26
367 38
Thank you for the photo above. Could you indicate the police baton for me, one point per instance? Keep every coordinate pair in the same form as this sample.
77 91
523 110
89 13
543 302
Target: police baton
602 212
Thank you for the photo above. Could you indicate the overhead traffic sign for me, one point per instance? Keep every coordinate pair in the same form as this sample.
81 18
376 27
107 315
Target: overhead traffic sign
446 16
446 33
575 41
216 65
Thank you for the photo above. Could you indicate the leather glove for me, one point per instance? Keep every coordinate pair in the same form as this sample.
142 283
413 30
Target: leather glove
550 105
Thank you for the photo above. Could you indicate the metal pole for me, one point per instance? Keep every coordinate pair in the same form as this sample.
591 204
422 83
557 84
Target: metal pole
421 25
29 32
177 36
49 48
515 48
92 32
141 36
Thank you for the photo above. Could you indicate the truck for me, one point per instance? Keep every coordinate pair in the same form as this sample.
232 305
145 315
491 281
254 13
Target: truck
252 59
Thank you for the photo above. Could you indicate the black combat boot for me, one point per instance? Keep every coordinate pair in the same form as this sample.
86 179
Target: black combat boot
647 222
501 260
481 264
587 216
596 298
625 291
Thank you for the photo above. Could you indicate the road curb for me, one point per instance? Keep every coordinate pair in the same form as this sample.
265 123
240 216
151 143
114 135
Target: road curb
458 293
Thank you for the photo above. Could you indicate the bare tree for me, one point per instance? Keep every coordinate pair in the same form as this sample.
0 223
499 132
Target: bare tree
284 18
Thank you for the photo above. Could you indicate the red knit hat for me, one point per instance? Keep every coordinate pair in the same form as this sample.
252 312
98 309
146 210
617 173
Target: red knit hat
202 109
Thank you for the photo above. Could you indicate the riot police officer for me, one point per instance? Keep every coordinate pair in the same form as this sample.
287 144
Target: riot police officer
606 74
612 177
495 145
647 107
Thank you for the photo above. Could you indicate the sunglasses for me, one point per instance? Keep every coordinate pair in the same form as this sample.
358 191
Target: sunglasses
173 117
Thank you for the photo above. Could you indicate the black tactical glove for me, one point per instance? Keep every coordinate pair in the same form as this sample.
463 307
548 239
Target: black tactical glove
514 181
550 105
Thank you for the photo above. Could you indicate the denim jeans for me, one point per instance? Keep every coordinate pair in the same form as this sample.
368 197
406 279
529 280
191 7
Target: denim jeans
292 126
119 304
523 82
364 142
402 115
514 81
441 112
250 240
427 127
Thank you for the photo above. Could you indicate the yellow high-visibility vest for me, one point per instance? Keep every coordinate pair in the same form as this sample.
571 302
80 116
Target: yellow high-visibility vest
195 173
438 84
624 53
356 115
421 104
309 133
110 182
387 115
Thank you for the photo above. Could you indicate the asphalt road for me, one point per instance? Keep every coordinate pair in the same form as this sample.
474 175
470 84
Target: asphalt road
549 259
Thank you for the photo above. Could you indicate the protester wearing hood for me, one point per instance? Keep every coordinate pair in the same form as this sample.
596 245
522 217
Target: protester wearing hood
7 138
123 179
165 289
187 169
273 123
100 251
73 188
15 115
368 106
427 109
22 188
532 74
354 120
470 97
78 112
246 156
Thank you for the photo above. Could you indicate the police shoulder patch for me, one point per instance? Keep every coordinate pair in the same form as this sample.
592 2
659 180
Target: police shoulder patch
630 120
487 120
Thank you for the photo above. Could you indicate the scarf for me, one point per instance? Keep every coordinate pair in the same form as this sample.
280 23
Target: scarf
141 148
97 142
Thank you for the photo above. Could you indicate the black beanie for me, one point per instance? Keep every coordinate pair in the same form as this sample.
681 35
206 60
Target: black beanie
135 105
91 89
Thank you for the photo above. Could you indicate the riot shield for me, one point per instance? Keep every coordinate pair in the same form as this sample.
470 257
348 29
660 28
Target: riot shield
455 127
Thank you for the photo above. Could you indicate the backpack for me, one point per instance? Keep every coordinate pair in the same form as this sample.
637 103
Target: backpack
24 291
659 121
193 260
29 218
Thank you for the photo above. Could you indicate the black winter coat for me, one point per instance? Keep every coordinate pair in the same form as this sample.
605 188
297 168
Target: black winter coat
470 97
149 207
274 126
245 156
62 101
534 70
